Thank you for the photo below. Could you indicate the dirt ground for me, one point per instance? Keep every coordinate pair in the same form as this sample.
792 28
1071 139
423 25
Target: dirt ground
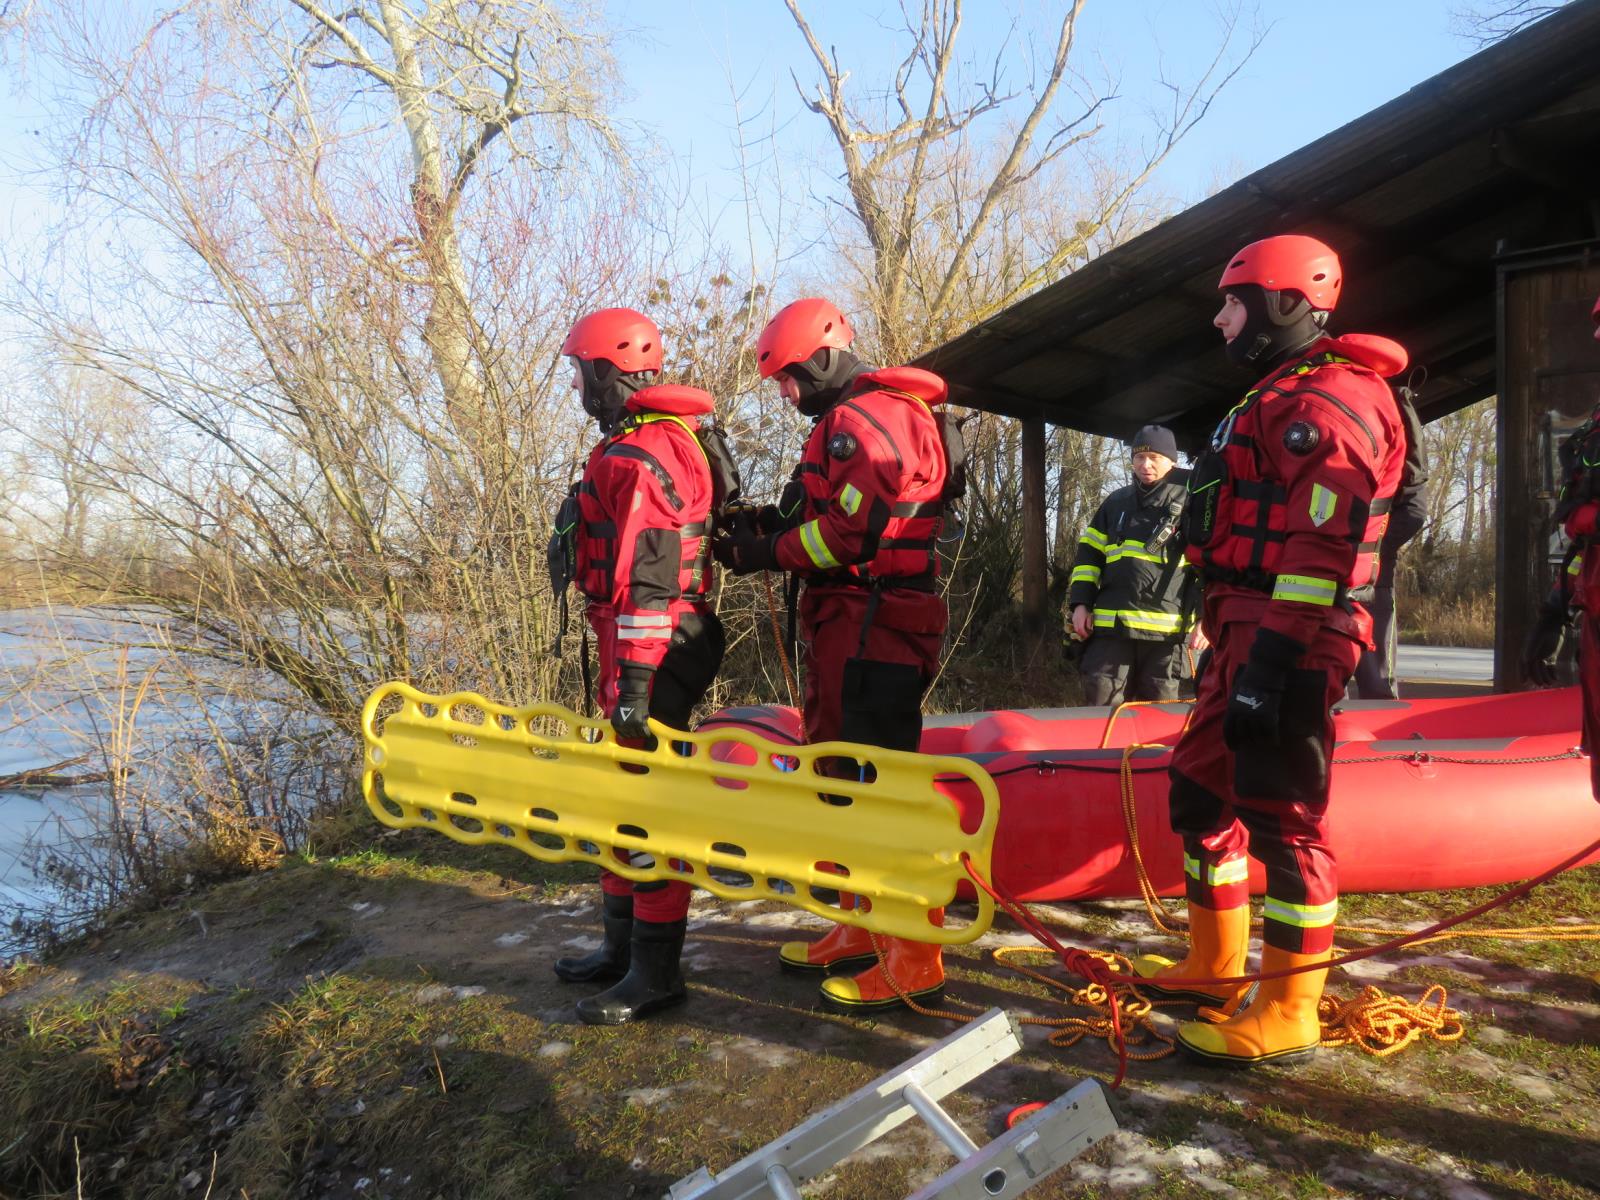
386 1024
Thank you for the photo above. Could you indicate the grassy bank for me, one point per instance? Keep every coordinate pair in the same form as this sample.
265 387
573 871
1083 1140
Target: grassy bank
384 1023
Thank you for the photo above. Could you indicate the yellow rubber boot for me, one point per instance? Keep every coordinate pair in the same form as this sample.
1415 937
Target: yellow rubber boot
1280 1024
1219 940
842 948
917 969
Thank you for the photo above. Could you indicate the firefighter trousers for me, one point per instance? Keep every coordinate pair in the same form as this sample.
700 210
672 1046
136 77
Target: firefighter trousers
1269 799
681 681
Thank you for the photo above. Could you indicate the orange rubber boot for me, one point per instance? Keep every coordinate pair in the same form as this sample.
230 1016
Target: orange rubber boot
1219 940
1281 1024
917 968
844 947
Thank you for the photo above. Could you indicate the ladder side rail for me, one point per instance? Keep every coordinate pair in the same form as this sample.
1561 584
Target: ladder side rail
846 1126
1032 1151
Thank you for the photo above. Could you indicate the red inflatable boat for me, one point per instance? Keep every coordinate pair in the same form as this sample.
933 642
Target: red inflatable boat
1426 793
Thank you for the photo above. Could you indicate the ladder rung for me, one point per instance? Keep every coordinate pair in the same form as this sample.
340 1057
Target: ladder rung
941 1122
782 1186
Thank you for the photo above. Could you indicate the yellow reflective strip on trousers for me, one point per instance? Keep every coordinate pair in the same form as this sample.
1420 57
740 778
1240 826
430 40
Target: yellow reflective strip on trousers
1235 870
816 548
1575 567
850 498
560 788
1303 916
1191 867
1305 589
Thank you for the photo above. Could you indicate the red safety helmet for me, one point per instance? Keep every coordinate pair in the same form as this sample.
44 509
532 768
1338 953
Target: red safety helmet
1289 262
798 331
618 335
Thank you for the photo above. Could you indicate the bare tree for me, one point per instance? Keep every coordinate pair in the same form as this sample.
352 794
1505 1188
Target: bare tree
970 196
1486 23
334 257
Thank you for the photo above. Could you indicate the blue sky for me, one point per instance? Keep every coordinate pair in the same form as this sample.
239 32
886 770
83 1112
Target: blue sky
1321 66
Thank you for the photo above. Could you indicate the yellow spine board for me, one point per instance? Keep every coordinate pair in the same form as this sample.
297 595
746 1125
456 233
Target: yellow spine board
725 810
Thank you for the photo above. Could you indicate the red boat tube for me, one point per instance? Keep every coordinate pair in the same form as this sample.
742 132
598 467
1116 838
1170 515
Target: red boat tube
1427 794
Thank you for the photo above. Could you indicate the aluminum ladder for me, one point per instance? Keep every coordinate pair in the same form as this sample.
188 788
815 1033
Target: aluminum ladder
1008 1166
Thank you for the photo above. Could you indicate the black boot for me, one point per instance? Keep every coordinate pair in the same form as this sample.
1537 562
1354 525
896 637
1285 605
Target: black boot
653 981
610 962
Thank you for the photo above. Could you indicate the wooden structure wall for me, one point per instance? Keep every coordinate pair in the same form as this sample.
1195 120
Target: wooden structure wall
1549 380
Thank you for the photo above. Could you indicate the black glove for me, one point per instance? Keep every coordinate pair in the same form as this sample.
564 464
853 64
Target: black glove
631 717
744 551
1252 715
1542 650
743 518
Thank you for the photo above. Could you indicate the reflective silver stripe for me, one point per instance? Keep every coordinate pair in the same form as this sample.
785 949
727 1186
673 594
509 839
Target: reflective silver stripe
642 619
1303 916
1306 589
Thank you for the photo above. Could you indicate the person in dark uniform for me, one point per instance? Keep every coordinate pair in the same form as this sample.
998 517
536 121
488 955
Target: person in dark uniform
1130 587
1374 677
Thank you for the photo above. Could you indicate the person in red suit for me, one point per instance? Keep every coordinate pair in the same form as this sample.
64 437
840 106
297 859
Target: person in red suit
858 522
1577 584
1286 512
639 519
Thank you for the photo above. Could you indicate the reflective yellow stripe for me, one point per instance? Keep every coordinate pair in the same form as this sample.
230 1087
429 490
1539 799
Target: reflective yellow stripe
1229 870
1155 622
1094 539
1085 575
1575 567
1304 916
1324 502
850 499
1305 589
1132 550
816 548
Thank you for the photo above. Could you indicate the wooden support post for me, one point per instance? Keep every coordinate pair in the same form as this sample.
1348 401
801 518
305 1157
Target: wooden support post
1034 581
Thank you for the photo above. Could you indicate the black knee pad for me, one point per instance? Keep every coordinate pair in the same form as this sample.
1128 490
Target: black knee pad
1195 811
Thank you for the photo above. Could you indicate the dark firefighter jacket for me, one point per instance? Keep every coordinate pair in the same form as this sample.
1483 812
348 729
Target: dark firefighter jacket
1134 592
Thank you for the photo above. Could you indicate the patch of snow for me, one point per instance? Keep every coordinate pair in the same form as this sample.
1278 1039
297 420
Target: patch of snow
650 1097
555 1049
512 939
432 994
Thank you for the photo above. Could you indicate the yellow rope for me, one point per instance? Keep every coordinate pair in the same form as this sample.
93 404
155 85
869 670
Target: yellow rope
1381 1024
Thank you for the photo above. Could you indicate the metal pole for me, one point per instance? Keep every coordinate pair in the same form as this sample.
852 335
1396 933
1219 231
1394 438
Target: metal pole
939 1121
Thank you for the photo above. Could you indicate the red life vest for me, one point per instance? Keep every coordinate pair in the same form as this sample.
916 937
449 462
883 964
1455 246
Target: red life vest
866 503
643 508
1293 497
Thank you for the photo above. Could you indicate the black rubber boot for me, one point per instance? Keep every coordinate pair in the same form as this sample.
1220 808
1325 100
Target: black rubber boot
653 982
610 962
